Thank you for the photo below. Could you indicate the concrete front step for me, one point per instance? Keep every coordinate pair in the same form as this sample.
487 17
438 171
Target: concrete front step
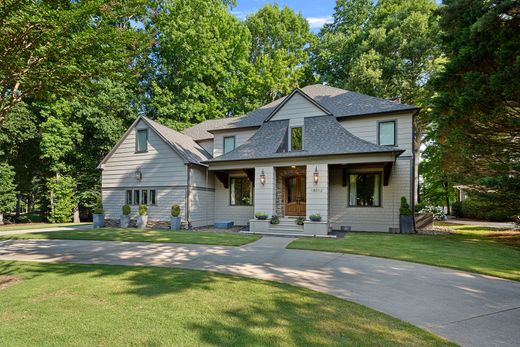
288 234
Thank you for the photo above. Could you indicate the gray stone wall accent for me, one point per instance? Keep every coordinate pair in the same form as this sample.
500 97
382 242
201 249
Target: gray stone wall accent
281 174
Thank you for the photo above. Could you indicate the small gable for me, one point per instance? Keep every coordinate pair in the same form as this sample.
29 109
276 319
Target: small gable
297 106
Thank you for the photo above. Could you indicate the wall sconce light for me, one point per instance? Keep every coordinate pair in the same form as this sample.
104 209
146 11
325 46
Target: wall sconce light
316 176
138 174
262 177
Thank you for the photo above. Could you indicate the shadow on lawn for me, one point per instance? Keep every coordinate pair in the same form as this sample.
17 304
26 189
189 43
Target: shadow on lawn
141 281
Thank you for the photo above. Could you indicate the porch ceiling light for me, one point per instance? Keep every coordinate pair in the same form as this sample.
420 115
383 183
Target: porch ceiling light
316 176
262 177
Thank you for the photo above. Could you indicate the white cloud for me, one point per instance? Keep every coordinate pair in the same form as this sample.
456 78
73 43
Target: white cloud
318 22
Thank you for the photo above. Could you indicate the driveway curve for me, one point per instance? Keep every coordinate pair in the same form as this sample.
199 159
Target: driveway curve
467 308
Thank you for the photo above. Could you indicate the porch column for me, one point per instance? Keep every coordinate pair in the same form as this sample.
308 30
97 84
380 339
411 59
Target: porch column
265 193
318 193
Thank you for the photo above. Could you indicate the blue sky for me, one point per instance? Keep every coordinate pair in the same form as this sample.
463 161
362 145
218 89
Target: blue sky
317 12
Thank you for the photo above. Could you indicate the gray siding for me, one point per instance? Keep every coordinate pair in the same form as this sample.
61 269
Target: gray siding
370 218
296 109
366 129
241 136
207 145
224 211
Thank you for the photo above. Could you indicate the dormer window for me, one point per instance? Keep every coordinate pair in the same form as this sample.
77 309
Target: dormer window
229 144
296 139
141 143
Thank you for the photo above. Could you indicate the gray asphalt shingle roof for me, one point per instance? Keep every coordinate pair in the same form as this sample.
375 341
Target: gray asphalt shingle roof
339 102
323 135
184 145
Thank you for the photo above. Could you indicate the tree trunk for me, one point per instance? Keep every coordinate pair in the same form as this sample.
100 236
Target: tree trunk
18 199
1 218
76 214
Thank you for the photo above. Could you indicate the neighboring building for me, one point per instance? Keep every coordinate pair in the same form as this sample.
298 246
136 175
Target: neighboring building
344 155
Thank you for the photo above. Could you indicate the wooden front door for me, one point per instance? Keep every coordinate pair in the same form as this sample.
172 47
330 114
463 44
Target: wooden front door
295 196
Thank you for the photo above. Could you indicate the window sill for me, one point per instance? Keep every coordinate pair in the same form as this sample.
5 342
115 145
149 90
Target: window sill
136 152
364 206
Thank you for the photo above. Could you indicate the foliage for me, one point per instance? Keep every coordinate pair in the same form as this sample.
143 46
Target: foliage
484 209
386 48
176 211
54 47
280 41
63 197
404 210
143 210
437 211
300 220
315 217
516 220
419 206
456 209
7 189
476 110
199 61
126 210
261 215
275 219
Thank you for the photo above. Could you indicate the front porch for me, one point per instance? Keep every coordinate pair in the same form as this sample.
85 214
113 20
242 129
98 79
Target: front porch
324 187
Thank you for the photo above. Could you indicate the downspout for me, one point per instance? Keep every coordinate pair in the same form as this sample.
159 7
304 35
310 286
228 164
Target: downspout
188 194
412 183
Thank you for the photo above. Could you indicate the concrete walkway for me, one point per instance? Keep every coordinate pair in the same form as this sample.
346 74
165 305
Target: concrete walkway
470 309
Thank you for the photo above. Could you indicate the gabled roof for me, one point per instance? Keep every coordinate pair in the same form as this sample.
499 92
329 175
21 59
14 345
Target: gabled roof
183 145
338 102
288 97
323 135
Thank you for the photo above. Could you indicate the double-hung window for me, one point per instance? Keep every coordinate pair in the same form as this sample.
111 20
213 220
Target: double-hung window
141 144
229 144
365 189
387 133
241 191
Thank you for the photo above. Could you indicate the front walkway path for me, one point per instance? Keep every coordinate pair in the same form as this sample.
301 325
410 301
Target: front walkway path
470 309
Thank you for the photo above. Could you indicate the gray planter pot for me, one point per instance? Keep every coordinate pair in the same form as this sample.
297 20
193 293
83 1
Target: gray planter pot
98 221
175 223
406 224
142 221
124 221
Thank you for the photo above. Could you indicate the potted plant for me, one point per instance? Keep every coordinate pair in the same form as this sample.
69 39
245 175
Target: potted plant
175 220
124 221
261 216
98 217
405 217
275 219
315 217
300 220
142 219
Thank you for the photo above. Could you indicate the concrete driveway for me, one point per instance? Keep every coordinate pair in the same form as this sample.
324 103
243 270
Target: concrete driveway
470 309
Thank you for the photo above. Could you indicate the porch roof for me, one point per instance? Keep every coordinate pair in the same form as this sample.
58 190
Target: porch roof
322 135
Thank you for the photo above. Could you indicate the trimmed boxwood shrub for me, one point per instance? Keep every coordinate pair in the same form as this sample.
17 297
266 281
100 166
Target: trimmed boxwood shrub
143 210
176 211
404 210
126 210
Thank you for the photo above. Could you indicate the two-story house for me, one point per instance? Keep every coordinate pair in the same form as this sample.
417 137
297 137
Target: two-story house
344 155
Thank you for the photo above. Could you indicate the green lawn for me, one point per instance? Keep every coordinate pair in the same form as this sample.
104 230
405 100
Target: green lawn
138 235
95 305
27 226
476 249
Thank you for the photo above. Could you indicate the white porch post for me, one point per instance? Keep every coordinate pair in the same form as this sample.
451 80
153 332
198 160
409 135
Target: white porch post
265 193
318 193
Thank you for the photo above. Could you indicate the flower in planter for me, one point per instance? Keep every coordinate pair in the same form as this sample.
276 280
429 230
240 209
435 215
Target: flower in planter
275 219
261 216
300 220
315 217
